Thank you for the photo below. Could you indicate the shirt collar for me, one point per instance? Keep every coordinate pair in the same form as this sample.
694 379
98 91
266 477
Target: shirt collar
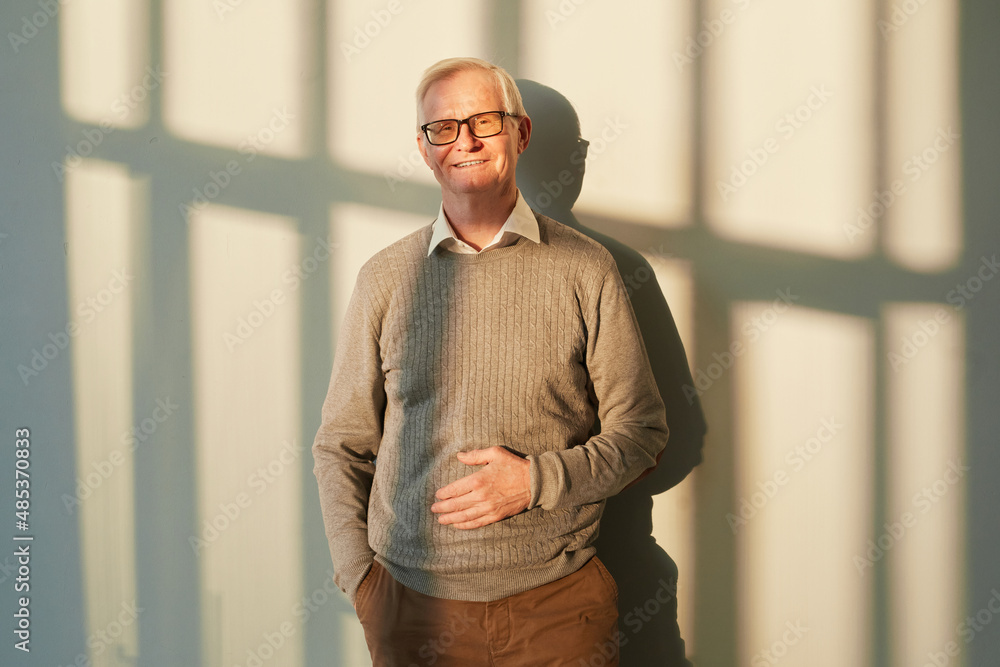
521 221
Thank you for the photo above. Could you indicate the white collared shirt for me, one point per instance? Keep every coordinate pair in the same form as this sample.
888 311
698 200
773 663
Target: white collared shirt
520 222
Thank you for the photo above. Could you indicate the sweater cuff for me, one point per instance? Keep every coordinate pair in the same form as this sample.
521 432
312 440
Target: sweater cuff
549 480
536 481
349 578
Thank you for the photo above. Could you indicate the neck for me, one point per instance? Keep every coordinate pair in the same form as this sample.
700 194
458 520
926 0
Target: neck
476 218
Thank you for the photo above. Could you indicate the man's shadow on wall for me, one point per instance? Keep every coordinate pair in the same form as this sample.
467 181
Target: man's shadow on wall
550 175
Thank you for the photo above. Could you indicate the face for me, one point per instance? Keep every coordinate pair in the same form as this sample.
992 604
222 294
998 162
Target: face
471 165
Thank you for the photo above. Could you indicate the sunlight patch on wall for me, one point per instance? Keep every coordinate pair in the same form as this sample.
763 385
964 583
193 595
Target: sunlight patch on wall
377 53
235 74
790 150
246 349
676 281
923 540
360 232
354 649
673 511
103 204
105 77
804 486
623 67
923 230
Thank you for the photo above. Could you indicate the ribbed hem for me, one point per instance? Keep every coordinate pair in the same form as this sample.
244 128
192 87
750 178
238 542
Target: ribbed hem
489 585
350 576
535 482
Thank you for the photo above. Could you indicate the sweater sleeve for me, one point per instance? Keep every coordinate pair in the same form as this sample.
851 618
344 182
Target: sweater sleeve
348 440
631 414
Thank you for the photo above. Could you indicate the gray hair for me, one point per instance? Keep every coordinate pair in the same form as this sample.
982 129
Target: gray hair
448 67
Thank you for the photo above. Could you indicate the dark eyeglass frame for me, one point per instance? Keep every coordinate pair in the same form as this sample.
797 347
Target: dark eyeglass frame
461 122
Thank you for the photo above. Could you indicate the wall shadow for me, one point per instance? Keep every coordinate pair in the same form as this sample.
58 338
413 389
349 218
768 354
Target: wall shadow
33 265
550 176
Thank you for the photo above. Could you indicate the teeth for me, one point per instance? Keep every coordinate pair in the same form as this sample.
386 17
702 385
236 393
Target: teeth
466 164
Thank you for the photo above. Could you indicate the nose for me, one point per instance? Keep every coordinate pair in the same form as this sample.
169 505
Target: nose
466 140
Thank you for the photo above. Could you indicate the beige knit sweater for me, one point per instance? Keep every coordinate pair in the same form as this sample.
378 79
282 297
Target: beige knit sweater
522 346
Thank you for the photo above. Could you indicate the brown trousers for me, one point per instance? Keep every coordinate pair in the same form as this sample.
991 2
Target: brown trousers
571 621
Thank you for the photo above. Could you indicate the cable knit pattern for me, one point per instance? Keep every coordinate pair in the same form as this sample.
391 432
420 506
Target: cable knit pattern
522 346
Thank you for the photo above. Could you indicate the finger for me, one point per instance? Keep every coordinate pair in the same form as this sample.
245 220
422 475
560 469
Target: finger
456 504
475 457
461 516
477 523
457 488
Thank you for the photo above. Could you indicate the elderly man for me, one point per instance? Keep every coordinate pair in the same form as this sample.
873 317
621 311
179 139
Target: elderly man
490 389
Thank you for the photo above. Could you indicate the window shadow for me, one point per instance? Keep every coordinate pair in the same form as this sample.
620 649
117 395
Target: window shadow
550 175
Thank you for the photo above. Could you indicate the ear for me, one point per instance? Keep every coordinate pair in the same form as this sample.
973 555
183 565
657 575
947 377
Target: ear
422 147
523 134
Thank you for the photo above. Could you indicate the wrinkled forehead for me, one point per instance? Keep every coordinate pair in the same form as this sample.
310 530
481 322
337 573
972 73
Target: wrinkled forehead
461 95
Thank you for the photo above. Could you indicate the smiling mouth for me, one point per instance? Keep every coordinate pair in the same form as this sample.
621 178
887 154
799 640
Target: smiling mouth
470 163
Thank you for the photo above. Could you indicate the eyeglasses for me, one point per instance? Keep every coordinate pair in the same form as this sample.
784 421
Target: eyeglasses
482 125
